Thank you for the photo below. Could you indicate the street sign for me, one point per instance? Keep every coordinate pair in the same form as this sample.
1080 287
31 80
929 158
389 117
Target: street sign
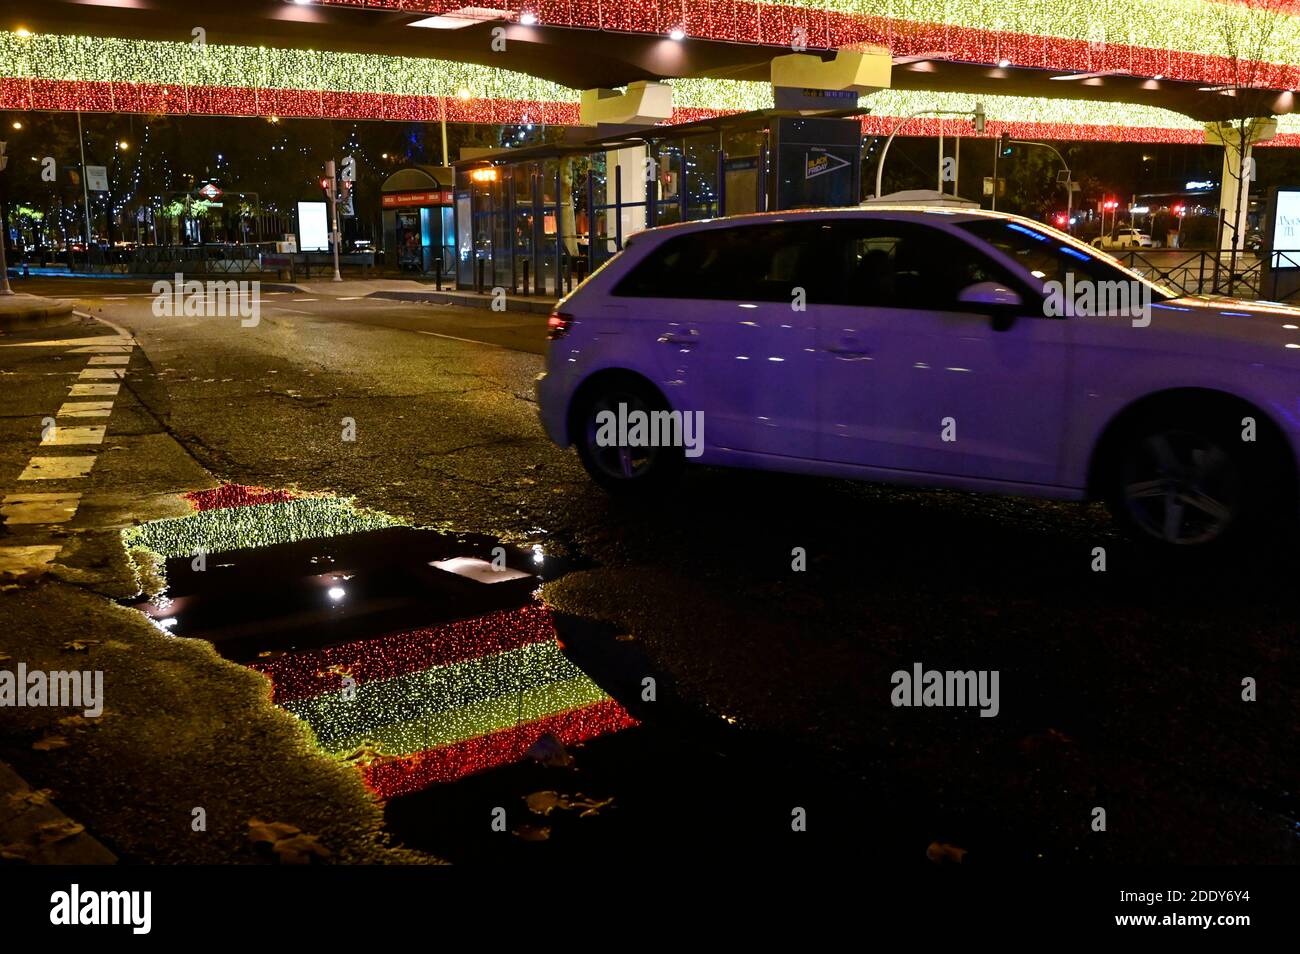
349 171
97 178
210 191
988 185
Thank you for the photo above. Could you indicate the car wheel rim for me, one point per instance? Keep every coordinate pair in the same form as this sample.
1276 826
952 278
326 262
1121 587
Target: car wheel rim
1181 488
618 461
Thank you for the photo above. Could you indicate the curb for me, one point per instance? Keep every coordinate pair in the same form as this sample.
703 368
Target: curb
39 313
32 829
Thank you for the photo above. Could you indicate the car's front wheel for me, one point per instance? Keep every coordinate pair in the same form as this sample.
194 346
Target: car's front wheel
1197 480
604 430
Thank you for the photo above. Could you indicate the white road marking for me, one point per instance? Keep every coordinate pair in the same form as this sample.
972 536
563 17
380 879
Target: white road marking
351 298
85 409
102 374
306 299
109 359
468 340
102 349
39 508
93 390
122 339
58 468
89 434
291 311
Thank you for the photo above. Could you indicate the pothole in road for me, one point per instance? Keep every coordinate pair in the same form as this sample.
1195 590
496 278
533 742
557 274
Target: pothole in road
495 729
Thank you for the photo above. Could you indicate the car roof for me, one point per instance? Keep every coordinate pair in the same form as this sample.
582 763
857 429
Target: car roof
919 213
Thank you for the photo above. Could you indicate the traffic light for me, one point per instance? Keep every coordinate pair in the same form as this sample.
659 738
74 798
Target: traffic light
1005 148
327 187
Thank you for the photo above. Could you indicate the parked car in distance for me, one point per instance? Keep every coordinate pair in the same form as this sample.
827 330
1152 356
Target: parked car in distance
927 347
1123 238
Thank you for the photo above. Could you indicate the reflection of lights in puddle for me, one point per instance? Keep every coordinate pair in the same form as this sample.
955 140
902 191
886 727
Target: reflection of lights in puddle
481 571
432 704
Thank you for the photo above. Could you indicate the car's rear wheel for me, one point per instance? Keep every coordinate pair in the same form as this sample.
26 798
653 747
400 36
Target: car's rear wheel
629 469
1190 480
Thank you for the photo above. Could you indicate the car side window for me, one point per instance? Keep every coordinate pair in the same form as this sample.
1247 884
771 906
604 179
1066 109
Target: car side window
898 264
744 263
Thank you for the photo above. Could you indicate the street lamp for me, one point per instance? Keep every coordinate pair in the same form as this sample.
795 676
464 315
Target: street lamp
977 114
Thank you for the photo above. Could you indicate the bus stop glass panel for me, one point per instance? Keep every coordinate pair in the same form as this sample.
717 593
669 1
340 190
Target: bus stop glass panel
701 178
668 162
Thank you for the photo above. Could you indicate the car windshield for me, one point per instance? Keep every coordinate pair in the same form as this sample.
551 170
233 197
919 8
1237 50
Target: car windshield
1048 254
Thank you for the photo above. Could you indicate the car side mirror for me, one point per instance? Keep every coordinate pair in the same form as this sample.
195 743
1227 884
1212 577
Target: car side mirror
989 293
994 299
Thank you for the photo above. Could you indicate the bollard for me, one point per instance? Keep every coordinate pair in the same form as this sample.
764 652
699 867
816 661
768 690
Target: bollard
526 290
437 274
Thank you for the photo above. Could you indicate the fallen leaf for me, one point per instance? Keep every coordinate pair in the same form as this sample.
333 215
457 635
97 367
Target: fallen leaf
543 803
262 832
31 798
366 754
942 853
49 743
533 832
16 851
60 830
80 645
299 849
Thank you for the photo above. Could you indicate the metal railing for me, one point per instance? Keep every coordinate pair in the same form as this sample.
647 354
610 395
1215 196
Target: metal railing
205 259
1192 272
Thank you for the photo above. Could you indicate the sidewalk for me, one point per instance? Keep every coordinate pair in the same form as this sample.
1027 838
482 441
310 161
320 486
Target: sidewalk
31 311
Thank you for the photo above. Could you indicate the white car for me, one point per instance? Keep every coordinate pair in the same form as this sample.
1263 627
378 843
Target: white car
932 347
1123 238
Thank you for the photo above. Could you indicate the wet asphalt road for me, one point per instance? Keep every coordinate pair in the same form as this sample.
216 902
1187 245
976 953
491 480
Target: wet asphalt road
1119 690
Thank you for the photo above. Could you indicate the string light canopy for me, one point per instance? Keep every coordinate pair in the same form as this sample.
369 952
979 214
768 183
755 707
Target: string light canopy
1183 41
64 73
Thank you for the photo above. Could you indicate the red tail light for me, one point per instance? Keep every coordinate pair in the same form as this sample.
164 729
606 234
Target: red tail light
557 326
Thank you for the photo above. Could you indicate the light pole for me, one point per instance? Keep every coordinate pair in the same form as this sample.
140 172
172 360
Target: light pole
85 190
333 203
977 114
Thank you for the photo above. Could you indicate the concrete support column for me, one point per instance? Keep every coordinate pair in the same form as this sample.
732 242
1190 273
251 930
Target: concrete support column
632 160
1238 173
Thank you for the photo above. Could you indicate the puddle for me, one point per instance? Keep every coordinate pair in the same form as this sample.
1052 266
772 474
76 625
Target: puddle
495 730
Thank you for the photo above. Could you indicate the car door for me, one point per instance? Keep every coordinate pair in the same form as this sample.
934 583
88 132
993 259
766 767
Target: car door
915 380
719 305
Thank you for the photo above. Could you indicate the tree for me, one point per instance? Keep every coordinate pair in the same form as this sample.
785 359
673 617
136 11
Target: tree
1246 29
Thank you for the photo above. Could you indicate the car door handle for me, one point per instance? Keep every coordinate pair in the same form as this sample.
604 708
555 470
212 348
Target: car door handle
690 336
